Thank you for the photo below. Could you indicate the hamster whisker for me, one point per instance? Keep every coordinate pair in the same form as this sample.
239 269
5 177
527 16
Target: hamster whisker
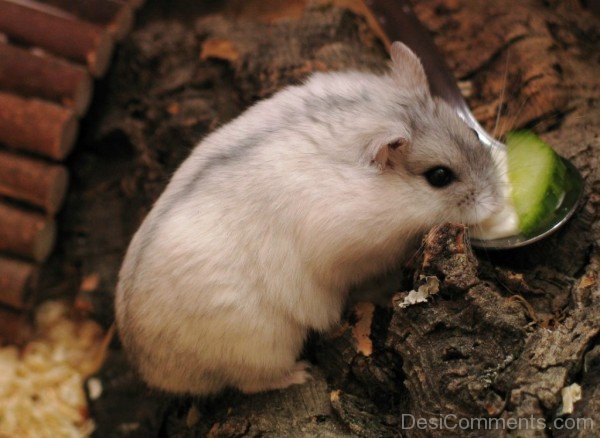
512 122
499 112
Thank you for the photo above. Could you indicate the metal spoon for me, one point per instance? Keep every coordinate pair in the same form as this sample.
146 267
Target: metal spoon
400 24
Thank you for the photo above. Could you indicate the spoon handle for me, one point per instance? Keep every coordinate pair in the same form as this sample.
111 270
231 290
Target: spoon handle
401 24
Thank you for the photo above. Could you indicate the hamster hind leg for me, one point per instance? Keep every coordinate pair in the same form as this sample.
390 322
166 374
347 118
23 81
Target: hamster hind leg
298 375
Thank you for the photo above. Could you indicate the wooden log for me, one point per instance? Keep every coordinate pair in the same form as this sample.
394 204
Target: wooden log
34 181
26 234
58 32
115 15
37 126
14 326
30 73
17 280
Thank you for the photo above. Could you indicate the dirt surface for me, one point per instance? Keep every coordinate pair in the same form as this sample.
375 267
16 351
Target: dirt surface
503 334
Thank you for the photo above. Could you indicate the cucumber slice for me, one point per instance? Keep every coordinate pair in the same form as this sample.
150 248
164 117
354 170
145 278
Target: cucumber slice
537 178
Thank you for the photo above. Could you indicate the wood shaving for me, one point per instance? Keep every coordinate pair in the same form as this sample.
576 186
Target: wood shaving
41 385
362 329
570 394
431 286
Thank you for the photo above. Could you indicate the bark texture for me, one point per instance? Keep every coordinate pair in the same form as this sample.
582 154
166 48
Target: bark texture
500 335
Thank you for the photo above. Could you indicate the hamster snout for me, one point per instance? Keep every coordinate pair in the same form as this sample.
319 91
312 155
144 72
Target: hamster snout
268 223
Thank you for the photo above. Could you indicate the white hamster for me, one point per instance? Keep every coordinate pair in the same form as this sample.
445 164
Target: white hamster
272 218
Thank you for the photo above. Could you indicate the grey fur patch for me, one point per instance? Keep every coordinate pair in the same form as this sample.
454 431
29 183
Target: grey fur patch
223 158
235 153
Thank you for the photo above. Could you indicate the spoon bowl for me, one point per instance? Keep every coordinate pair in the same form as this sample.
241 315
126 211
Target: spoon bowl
399 23
565 210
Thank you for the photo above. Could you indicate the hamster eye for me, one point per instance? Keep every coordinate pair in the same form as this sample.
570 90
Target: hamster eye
439 176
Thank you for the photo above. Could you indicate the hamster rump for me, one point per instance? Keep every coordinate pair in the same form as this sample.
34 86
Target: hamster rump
273 217
188 323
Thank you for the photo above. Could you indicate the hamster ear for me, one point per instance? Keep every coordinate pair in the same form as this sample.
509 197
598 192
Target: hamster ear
407 68
380 152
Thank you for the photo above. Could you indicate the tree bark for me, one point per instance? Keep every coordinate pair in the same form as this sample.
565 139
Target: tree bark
500 335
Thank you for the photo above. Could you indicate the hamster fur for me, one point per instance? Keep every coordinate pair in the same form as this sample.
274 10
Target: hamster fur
272 218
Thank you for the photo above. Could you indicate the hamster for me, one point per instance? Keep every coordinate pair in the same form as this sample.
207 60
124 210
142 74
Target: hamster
275 216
